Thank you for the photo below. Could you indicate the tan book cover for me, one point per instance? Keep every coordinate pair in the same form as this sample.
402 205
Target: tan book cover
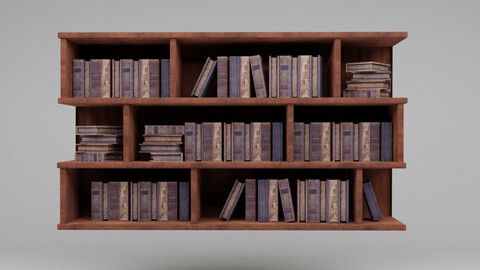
273 77
355 142
134 201
198 142
124 201
144 69
154 201
343 201
162 206
326 141
333 189
294 77
232 199
337 142
314 76
135 79
244 76
87 79
117 79
304 79
217 141
301 202
256 141
203 80
247 142
106 78
164 139
273 200
364 152
105 201
228 142
307 142
323 203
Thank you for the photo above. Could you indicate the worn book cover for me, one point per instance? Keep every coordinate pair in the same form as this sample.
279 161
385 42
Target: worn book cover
250 200
314 76
313 200
118 201
371 200
364 141
346 141
344 201
307 142
374 141
154 201
272 77
262 185
320 75
100 78
244 76
272 200
386 141
232 200
320 141
172 200
301 201
247 142
222 76
198 142
87 79
234 77
323 201
126 78
105 201
304 76
165 77
136 79
266 141
227 141
256 141
333 203
277 141
97 201
78 78
256 64
294 77
205 78
238 141
337 141
285 76
190 140
355 142
377 75
116 76
162 201
134 200
145 201
184 201
369 66
299 141
164 129
286 198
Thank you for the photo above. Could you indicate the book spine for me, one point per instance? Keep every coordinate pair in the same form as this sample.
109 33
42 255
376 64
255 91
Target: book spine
386 141
229 203
375 141
234 82
347 201
320 76
326 141
314 76
266 141
145 201
298 141
202 78
238 142
154 201
355 142
207 141
228 140
87 79
172 201
244 77
315 141
154 78
258 76
136 77
114 201
285 76
95 78
190 139
343 201
162 206
247 142
272 200
117 79
134 200
222 76
337 141
236 199
262 200
286 198
217 141
333 189
106 80
97 201
198 142
277 141
323 202
250 200
209 79
304 88
273 77
164 130
270 76
105 201
256 141
372 203
144 74
346 146
301 201
313 211
294 77
184 201
307 142
165 78
78 78
126 81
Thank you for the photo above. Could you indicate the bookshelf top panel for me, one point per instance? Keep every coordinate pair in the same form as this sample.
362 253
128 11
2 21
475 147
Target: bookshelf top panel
375 39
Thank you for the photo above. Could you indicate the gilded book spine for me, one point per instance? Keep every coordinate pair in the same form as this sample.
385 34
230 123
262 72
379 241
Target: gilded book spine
238 142
256 64
222 76
285 76
286 198
244 77
97 201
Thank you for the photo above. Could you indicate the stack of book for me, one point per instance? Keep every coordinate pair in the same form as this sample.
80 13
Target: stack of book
369 79
237 141
344 141
124 78
289 76
99 143
140 201
163 142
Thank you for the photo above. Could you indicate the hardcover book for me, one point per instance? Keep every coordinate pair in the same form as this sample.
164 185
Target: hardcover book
314 76
301 201
277 141
344 201
266 141
100 78
371 200
304 76
118 201
272 200
286 198
262 185
346 141
320 75
250 200
323 201
234 77
247 142
258 77
366 67
165 78
313 200
294 77
285 76
190 140
134 200
153 202
333 196
172 200
299 141
97 201
320 141
78 78
222 76
256 141
355 142
205 79
374 141
307 142
184 201
162 201
87 79
105 201
272 76
116 75
145 201
232 200
244 77
364 141
238 141
386 141
164 129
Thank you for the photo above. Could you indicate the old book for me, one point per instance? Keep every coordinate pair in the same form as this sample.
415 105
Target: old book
250 200
304 76
374 141
161 147
116 82
136 81
227 141
355 142
333 202
234 77
244 76
99 148
346 141
126 78
314 76
344 201
134 200
337 141
217 141
299 141
238 141
354 85
323 201
172 194
247 142
262 187
211 141
333 141
386 141
266 141
307 142
377 75
286 198
320 76
184 201
272 72
364 141
154 201
277 141
198 142
100 78
97 201
145 201
320 141
371 200
294 77
256 64
97 156
130 197
165 78
105 201
256 141
222 76
368 93
205 78
149 72
163 138
301 201
272 200
143 78
313 200
366 67
164 129
232 200
118 201
87 79
190 139
107 138
78 78
285 76
170 156
162 201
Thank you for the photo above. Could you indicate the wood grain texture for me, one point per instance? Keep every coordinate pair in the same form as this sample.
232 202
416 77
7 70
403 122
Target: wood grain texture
130 133
196 200
175 69
335 70
357 192
67 54
69 180
382 186
398 131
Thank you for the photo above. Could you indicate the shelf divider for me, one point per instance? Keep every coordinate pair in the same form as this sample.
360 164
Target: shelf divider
68 195
195 209
358 196
129 133
175 69
336 68
68 52
397 123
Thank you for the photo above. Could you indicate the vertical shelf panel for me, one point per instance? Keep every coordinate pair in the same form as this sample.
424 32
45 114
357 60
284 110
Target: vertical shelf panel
67 54
358 196
397 123
175 69
335 71
68 195
289 133
195 209
130 131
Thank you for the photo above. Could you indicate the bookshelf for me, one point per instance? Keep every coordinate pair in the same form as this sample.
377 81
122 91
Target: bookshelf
210 182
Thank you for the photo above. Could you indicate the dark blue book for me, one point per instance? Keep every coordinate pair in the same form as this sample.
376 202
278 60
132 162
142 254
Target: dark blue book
386 141
372 203
165 77
262 190
184 201
234 76
320 75
232 200
277 141
205 79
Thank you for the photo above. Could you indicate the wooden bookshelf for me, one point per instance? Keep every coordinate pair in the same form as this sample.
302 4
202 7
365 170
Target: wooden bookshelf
210 182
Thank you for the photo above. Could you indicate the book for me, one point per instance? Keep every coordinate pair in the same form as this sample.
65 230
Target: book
211 141
301 201
234 77
262 191
346 141
105 201
163 138
145 201
377 75
97 200
266 141
372 204
87 79
232 200
116 81
100 78
134 201
205 78
227 141
244 77
238 141
355 85
107 138
332 200
386 141
161 147
374 141
294 77
162 201
284 76
314 76
98 156
118 201
345 201
307 142
164 129
272 200
153 202
99 148
312 200
247 142
320 75
323 201
136 80
368 93
256 141
272 77
78 78
256 64
355 142
222 76
190 147
299 141
250 200
286 198
165 78
98 130
320 140
304 67
198 142
337 141
366 67
163 157
149 78
184 201
277 141
172 201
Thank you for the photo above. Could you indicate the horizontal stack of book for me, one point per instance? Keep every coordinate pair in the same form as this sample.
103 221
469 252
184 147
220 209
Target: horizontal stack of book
345 141
140 201
369 79
163 142
289 76
124 78
99 143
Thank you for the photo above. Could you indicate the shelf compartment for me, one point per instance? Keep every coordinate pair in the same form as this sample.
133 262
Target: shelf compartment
382 186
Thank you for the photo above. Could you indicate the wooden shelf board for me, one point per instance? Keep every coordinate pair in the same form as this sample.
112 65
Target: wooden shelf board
229 165
328 101
214 223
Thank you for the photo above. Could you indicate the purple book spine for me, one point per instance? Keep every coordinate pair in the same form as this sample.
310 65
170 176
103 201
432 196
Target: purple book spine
348 201
145 201
113 201
222 77
126 77
320 76
285 76
154 76
262 200
250 200
299 141
266 139
97 201
346 145
234 78
78 78
277 141
256 64
190 140
165 77
315 141
207 141
184 201
172 201
386 141
375 141
238 141
95 78
372 203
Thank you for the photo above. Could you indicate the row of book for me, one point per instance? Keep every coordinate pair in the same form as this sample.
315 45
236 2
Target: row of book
289 76
344 141
317 200
217 141
140 201
99 143
368 79
124 78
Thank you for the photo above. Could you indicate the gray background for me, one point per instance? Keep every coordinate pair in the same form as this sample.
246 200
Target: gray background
436 67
